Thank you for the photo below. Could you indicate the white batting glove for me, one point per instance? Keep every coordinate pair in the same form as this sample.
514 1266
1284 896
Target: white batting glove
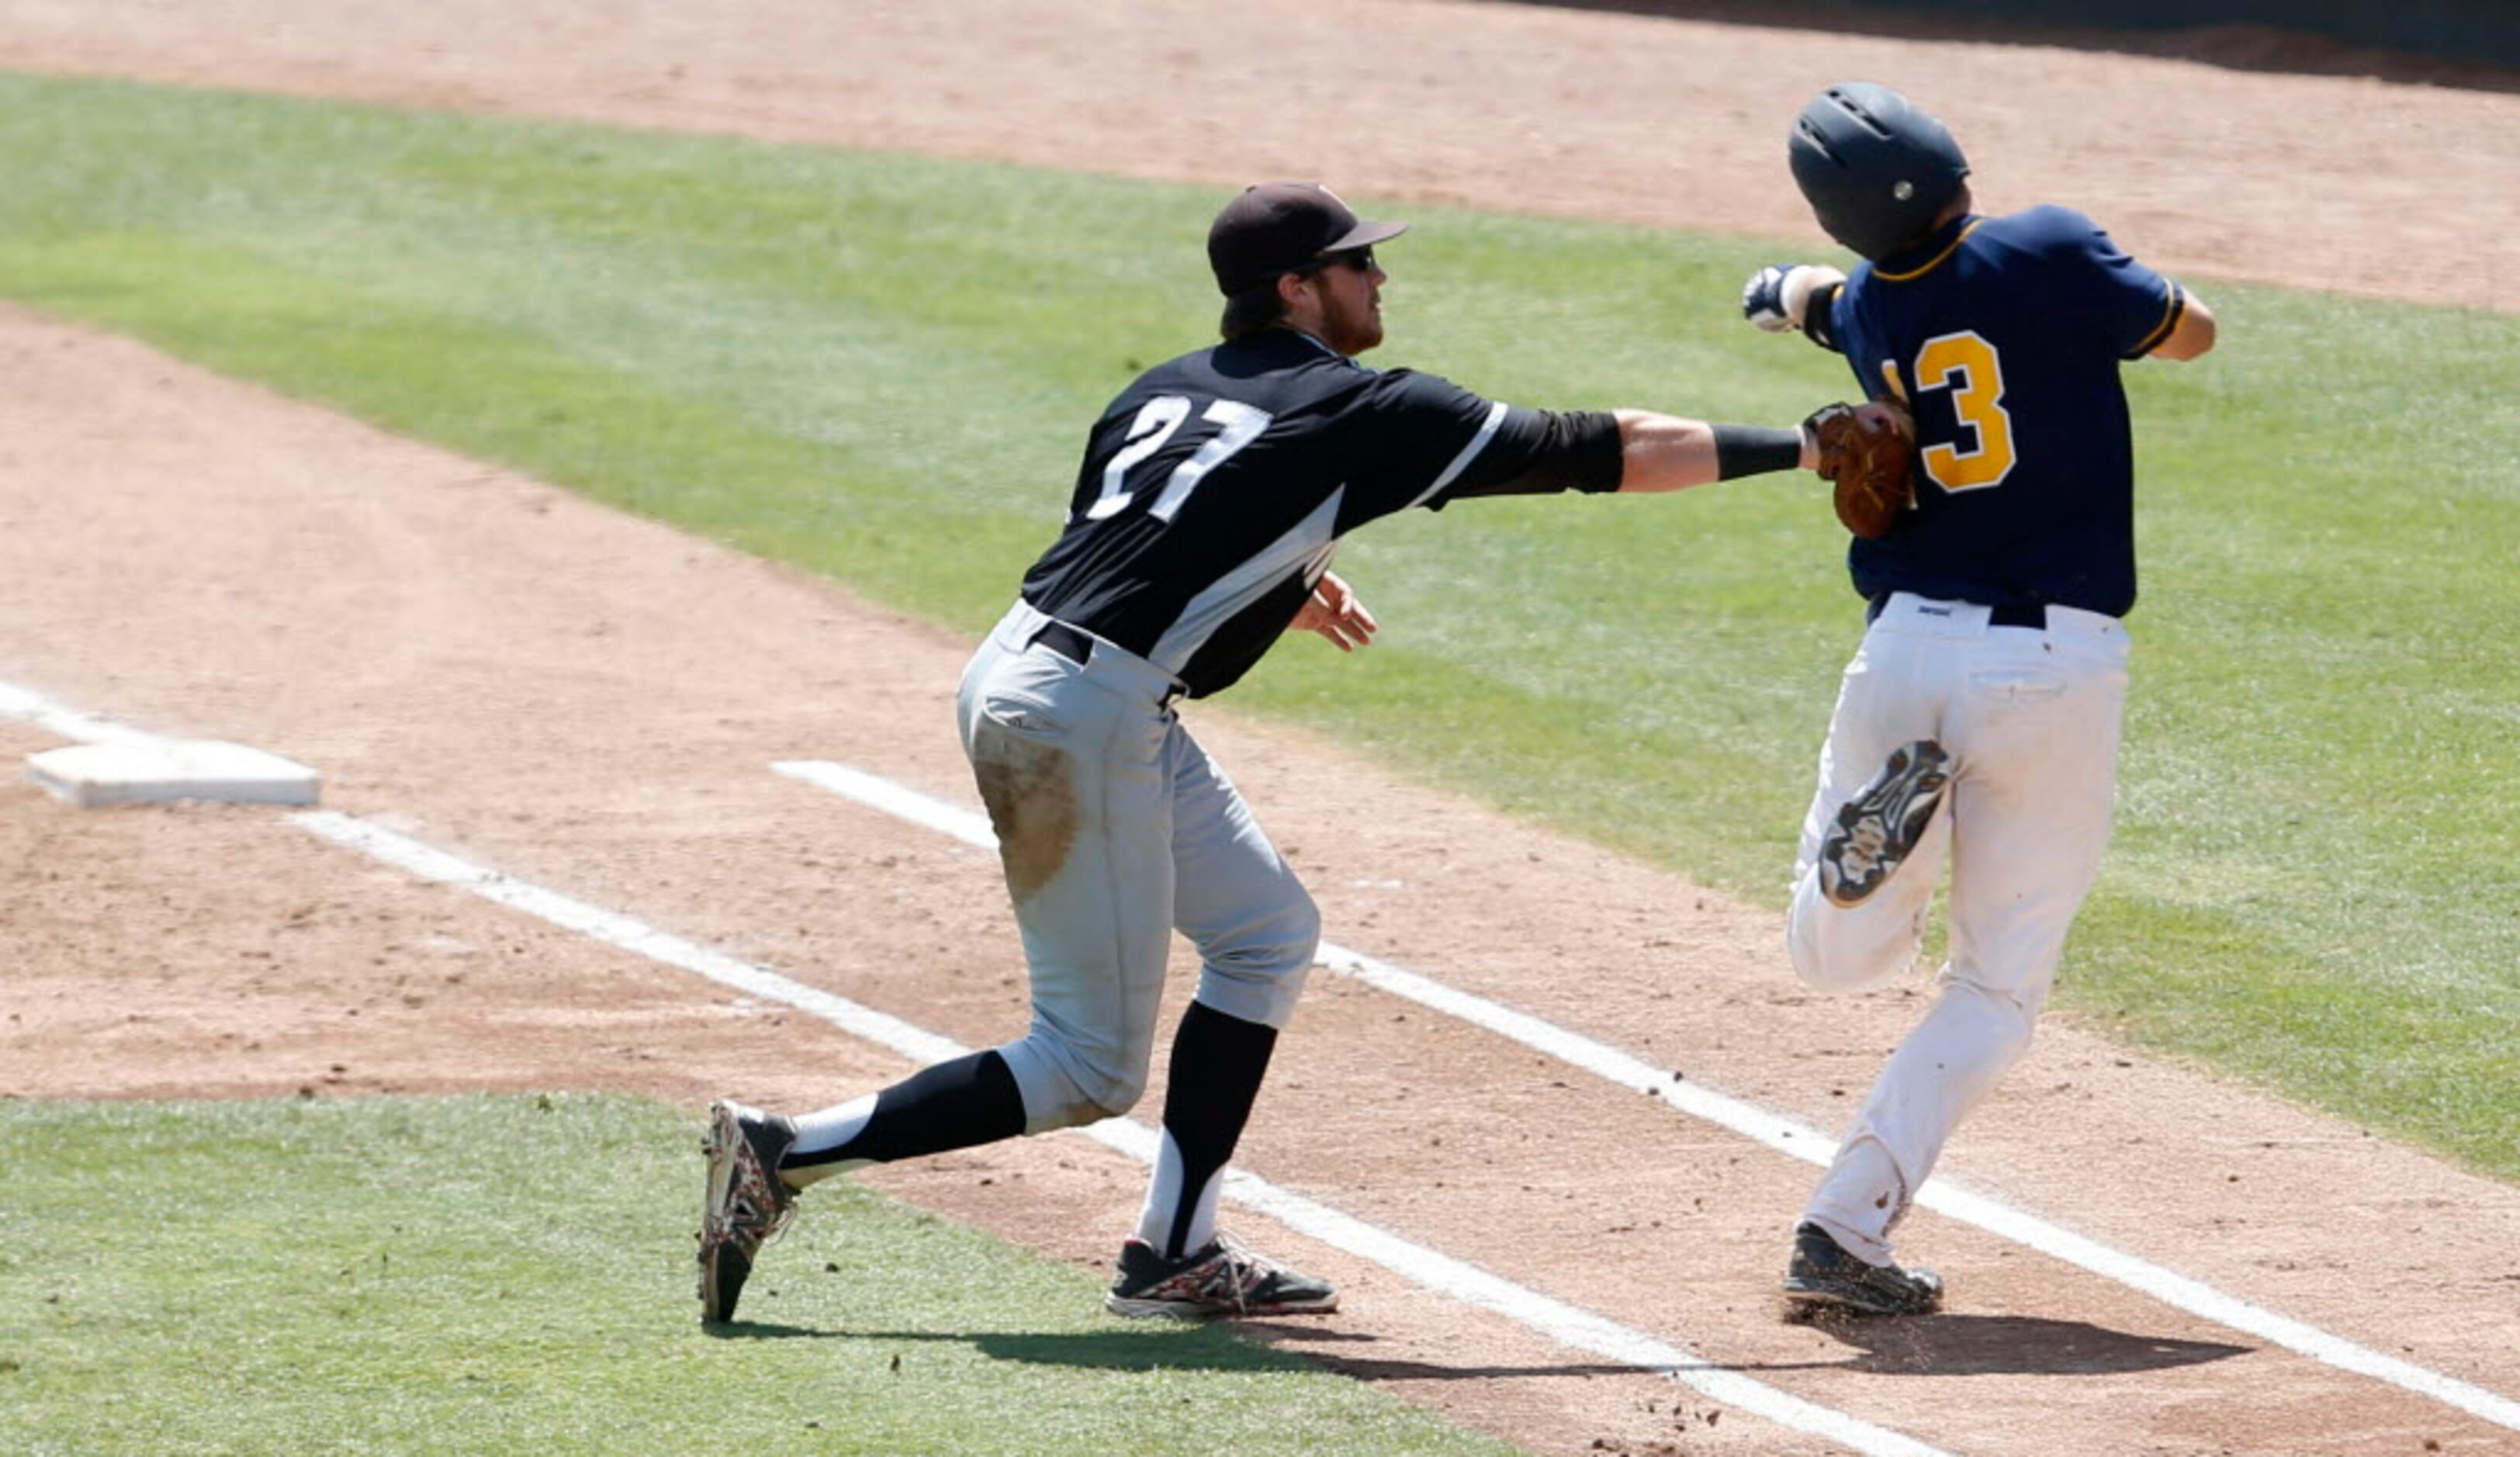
1763 298
1776 297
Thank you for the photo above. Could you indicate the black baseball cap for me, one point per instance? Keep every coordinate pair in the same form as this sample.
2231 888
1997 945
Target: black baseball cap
1284 227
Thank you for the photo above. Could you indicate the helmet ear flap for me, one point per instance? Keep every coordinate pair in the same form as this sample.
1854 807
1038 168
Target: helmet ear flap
1876 169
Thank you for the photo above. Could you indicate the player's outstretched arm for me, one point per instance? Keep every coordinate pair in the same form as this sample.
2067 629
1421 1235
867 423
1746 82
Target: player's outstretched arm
1671 452
2191 335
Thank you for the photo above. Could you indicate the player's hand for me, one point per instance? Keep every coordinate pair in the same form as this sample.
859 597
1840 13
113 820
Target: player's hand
1333 612
1776 297
1889 414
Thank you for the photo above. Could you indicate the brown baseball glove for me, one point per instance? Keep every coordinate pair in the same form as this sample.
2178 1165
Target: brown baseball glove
1870 457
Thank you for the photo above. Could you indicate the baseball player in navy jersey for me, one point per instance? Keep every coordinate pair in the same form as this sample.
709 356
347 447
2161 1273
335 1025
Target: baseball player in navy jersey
1211 496
1990 683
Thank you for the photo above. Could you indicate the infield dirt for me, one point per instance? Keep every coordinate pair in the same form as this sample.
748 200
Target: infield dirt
590 702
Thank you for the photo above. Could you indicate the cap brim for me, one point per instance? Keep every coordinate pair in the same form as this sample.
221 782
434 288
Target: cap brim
1365 235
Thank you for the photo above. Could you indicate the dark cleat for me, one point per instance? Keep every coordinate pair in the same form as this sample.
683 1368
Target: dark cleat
747 1202
1823 1275
1222 1279
1880 826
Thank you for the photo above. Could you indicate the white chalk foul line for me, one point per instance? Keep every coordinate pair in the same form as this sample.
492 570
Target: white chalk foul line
1569 1325
1774 1130
1572 1327
62 721
1783 1134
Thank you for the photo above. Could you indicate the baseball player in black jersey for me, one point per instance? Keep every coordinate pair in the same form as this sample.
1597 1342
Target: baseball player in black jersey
1212 495
1992 679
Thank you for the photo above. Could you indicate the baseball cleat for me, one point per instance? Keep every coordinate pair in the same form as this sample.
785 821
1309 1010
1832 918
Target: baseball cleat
1880 826
1224 1278
1822 1274
748 1203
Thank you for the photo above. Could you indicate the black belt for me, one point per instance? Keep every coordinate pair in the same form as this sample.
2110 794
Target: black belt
1065 641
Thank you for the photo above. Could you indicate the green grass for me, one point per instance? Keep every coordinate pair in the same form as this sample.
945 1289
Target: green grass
515 1275
880 367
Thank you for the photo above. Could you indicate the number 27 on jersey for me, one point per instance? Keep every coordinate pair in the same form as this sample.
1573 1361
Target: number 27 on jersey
1237 425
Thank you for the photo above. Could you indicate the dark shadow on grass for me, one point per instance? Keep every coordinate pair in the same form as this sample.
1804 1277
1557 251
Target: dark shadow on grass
1934 1345
2008 1346
758 1330
1165 1348
1246 1345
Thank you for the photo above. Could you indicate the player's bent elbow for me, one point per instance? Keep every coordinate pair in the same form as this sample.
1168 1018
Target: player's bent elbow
2193 335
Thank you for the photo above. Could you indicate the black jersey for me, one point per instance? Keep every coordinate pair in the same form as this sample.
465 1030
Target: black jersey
1214 489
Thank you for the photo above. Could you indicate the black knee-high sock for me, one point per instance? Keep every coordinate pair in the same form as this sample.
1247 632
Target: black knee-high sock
1217 1064
971 1100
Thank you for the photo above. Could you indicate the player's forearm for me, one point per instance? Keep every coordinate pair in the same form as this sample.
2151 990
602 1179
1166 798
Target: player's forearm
1669 452
2191 335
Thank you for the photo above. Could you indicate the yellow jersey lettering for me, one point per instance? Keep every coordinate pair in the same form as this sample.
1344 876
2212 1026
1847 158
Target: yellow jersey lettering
1967 366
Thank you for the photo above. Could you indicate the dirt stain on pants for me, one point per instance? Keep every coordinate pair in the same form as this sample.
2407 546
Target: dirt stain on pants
1032 805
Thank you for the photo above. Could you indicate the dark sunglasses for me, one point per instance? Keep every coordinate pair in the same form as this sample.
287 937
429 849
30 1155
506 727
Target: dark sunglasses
1359 259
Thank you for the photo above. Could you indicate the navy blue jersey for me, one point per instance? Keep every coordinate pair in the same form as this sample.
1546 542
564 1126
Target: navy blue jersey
2004 336
1214 488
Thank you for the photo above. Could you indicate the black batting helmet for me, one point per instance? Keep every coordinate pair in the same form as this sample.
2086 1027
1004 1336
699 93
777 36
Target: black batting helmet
1875 169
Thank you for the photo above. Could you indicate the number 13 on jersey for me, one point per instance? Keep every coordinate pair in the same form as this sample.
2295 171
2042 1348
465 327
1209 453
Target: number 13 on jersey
1968 368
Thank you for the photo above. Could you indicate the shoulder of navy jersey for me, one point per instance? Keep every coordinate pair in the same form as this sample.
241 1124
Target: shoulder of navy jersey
2066 263
2142 307
2045 229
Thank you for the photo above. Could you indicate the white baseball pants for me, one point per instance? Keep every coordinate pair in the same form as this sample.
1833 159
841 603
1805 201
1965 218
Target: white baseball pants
2031 720
1115 827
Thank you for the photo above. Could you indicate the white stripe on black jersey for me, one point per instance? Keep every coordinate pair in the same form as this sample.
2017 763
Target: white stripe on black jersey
1302 555
1213 489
